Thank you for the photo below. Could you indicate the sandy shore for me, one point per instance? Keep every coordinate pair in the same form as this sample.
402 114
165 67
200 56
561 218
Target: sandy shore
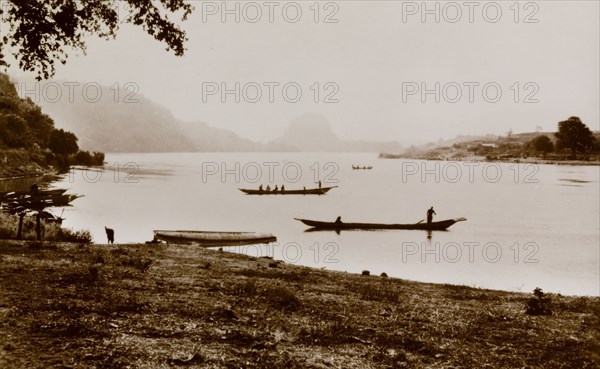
158 306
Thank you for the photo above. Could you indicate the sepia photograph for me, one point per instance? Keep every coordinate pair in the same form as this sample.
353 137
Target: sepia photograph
352 184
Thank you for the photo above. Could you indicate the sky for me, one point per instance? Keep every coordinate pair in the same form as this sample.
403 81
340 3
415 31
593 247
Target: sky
374 68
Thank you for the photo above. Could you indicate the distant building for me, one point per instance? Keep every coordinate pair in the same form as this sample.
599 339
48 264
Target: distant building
490 145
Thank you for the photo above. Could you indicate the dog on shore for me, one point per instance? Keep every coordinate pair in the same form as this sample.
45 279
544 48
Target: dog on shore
110 234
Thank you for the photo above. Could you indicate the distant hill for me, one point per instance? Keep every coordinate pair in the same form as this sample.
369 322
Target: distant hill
134 123
110 126
203 137
313 132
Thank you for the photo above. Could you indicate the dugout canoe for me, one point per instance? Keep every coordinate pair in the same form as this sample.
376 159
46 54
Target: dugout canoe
210 239
433 226
308 191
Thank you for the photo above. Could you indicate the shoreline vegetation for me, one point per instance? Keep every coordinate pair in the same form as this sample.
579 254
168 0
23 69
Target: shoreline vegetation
49 230
30 145
527 160
173 306
583 148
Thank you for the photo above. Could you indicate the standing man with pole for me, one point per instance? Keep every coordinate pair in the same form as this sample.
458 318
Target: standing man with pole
430 214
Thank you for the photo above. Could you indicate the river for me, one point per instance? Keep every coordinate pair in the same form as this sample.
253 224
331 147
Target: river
528 225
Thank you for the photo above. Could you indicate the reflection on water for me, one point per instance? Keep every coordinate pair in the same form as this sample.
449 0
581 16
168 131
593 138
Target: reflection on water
574 180
24 183
520 234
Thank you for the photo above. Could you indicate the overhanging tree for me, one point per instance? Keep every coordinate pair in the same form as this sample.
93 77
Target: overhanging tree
573 134
39 31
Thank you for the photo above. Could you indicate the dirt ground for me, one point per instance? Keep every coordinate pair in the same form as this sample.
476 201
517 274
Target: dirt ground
159 306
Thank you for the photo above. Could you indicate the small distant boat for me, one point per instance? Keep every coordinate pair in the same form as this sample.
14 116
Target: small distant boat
210 239
308 191
336 226
357 167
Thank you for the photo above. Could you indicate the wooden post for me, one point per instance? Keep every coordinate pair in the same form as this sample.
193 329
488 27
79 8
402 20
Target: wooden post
20 231
38 226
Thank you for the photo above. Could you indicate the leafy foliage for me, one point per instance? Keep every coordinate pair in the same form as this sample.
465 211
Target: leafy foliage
39 31
23 126
62 142
539 304
14 131
9 225
542 143
573 134
85 158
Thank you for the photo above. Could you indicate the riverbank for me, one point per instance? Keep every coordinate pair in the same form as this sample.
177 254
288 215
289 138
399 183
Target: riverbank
19 164
473 158
158 306
513 148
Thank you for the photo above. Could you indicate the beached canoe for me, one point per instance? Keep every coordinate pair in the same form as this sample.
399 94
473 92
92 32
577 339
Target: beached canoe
434 226
308 191
209 239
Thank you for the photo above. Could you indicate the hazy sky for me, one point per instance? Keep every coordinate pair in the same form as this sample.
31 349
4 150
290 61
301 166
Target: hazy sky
376 58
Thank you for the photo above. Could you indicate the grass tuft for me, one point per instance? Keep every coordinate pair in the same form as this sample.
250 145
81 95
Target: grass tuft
281 298
539 304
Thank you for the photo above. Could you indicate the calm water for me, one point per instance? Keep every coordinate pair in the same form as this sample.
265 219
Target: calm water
528 226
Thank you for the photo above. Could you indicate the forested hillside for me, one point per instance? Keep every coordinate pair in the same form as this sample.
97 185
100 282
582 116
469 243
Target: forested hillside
29 141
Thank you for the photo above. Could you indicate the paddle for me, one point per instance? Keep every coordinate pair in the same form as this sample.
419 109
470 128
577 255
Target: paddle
420 221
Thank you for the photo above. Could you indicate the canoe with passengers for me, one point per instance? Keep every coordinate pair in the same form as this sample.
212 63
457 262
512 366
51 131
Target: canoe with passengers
306 191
